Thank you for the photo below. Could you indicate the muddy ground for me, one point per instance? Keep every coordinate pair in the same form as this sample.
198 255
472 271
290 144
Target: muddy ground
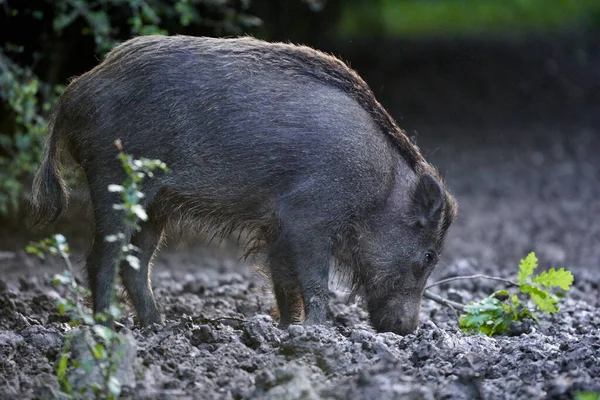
514 198
535 187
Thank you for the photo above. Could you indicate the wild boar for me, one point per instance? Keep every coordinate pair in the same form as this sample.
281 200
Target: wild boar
282 141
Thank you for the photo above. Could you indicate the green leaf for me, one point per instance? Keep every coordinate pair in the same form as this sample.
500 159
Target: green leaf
139 211
64 20
96 388
114 311
552 278
88 365
487 304
491 316
544 300
33 250
487 323
482 316
88 319
103 332
115 188
101 317
499 324
526 313
501 295
515 300
526 268
133 261
61 279
98 351
66 386
62 366
587 396
61 243
114 386
152 30
473 320
62 308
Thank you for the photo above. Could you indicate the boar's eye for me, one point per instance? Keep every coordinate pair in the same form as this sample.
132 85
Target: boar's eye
429 257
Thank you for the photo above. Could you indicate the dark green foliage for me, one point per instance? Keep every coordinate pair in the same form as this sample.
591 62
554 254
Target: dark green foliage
29 99
149 17
466 17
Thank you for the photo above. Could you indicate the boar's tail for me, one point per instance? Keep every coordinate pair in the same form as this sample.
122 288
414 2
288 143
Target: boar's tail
49 193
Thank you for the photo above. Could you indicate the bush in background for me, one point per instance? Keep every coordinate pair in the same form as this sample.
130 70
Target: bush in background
28 97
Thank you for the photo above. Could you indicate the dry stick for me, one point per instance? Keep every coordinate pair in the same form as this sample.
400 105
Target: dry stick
452 304
456 278
445 302
219 319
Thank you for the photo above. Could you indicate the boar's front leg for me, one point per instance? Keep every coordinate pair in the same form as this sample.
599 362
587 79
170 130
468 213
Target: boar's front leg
290 305
100 262
303 267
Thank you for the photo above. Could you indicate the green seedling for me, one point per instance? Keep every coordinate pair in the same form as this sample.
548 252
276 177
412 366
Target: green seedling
495 314
587 396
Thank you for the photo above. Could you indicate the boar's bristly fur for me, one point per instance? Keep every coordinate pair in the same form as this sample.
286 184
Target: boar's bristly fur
283 142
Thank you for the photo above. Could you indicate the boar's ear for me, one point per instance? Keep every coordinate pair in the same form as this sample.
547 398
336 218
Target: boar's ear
427 200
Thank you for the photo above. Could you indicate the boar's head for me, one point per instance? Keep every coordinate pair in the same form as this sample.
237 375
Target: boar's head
400 249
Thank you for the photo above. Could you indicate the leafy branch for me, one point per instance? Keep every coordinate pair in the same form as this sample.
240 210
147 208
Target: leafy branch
105 343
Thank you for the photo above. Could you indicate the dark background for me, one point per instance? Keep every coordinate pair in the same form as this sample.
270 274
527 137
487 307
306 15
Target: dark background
507 108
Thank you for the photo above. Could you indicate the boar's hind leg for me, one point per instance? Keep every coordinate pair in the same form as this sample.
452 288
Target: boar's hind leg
100 263
137 282
101 259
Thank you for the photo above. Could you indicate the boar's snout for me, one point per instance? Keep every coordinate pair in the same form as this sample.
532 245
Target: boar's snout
400 316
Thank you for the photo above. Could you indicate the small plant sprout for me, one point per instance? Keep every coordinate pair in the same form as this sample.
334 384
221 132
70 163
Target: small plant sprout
587 396
495 314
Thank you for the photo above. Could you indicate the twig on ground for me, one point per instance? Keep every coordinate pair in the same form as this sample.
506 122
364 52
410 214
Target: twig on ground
445 302
7 255
219 319
456 278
